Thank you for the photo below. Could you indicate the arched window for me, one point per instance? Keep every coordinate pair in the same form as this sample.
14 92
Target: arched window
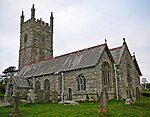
46 85
25 38
81 83
37 85
106 72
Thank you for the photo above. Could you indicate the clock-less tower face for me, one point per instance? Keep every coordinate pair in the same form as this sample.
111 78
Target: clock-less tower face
36 41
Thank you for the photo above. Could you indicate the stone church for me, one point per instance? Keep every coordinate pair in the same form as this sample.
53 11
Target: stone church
79 75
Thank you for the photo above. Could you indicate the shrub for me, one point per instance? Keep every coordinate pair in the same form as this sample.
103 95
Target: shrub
2 88
146 94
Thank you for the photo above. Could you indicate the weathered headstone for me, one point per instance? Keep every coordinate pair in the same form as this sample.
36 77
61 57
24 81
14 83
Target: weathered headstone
4 104
39 96
54 96
46 96
137 93
16 112
31 96
70 94
104 101
71 102
128 101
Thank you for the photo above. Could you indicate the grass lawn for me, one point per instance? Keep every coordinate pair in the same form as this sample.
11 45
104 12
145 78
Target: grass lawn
84 109
146 91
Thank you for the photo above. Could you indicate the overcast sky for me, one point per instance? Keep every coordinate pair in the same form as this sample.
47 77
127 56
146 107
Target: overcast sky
80 24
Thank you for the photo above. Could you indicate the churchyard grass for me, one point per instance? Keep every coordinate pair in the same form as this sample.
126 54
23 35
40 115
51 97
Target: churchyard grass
85 109
146 91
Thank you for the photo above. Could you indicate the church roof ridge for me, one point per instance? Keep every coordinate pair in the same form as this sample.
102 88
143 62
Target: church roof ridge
117 53
115 48
46 59
80 50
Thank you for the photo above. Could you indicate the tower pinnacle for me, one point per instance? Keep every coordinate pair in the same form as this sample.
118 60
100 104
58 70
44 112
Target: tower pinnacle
124 41
51 28
51 21
32 12
22 18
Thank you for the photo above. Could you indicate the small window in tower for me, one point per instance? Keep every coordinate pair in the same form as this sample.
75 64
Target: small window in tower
43 38
25 38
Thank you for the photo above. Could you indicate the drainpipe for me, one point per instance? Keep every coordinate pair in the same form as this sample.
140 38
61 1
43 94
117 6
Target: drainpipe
115 67
33 83
62 94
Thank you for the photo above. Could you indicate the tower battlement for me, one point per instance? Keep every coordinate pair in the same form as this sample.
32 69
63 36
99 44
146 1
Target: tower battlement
37 22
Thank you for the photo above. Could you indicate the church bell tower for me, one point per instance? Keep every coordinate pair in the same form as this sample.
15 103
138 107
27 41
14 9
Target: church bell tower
36 39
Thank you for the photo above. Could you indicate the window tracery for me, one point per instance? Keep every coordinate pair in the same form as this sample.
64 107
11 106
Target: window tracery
106 72
81 83
46 85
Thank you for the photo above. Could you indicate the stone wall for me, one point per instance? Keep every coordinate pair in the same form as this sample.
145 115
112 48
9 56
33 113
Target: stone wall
127 76
93 81
105 58
127 70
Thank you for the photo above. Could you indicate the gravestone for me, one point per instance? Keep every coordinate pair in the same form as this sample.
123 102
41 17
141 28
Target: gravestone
70 94
16 112
71 102
46 96
128 101
4 104
39 96
137 93
104 101
54 96
31 96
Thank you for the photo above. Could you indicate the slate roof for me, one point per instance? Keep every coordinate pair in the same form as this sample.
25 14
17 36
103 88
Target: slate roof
20 82
117 53
76 60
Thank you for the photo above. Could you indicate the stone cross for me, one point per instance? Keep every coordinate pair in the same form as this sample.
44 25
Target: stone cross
16 101
137 93
16 112
104 101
